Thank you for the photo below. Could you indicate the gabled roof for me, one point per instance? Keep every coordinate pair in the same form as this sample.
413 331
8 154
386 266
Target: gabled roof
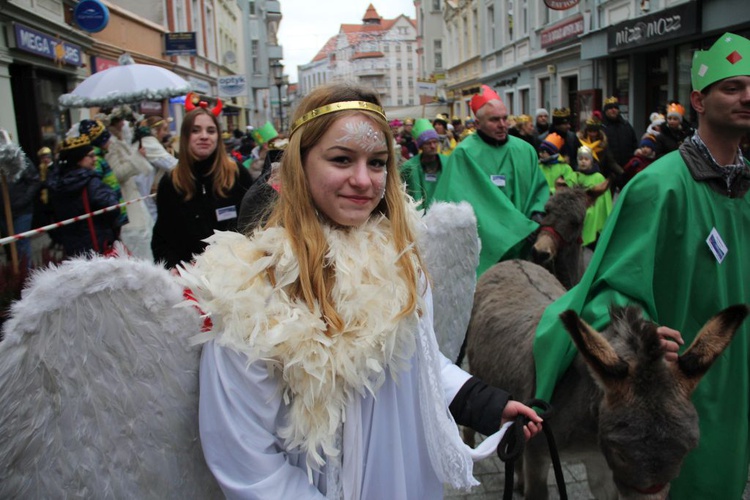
373 27
329 47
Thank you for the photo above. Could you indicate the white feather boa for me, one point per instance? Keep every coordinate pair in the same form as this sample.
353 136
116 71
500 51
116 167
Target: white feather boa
319 374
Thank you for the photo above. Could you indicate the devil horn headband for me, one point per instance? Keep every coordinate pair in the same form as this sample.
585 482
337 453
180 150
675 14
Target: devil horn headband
192 99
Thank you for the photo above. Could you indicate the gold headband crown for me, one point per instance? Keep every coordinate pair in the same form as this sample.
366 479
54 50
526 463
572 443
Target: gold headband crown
611 100
333 108
75 142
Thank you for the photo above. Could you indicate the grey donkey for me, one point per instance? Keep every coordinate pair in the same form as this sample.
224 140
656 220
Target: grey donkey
620 408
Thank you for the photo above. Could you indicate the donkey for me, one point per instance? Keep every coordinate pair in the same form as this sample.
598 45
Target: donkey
558 244
619 398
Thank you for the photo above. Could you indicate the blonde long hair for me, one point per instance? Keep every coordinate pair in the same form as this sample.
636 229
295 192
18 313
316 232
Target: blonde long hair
223 171
296 212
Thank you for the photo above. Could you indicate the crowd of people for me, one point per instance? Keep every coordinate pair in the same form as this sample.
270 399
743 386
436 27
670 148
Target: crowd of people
328 269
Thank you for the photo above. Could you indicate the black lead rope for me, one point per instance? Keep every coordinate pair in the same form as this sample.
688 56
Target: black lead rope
513 442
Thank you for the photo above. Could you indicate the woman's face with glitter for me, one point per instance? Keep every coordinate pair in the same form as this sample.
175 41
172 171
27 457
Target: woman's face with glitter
346 170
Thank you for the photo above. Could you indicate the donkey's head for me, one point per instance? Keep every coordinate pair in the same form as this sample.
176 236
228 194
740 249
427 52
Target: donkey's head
647 423
560 230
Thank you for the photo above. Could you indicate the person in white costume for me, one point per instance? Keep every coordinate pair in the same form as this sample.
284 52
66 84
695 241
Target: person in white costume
321 376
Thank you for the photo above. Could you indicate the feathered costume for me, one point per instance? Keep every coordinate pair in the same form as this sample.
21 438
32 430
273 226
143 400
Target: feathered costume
326 399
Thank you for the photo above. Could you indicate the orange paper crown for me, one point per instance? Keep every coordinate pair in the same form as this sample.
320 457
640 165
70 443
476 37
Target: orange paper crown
485 95
555 140
675 108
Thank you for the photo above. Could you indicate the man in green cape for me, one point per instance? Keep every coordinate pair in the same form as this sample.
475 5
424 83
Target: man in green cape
498 175
677 244
422 172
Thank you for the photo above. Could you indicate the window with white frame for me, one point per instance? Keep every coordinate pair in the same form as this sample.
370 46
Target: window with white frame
509 22
491 27
438 51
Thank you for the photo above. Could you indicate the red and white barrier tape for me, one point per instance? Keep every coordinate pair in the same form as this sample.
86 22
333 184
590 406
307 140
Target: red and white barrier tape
40 230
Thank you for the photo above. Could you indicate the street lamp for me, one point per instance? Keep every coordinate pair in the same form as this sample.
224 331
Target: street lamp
277 70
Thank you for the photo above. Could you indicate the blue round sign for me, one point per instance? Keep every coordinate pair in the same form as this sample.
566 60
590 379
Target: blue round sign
91 15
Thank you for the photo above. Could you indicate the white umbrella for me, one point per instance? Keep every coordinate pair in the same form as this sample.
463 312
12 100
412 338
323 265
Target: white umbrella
125 84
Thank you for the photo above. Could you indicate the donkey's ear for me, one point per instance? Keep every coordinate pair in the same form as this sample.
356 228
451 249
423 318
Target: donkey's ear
595 192
607 365
710 342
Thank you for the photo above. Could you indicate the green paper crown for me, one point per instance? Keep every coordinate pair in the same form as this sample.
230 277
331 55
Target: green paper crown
264 134
420 126
728 56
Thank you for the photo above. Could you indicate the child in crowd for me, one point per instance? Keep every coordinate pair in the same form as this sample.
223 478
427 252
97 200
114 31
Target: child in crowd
642 158
588 175
552 164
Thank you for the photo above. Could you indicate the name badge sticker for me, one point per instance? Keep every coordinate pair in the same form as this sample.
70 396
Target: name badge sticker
226 213
498 180
717 245
430 177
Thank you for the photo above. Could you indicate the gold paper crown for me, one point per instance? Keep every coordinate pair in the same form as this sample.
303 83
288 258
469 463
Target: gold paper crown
523 119
593 121
95 130
561 113
44 151
75 142
611 100
333 108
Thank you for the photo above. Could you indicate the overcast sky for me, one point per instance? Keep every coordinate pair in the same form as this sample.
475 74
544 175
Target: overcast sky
307 25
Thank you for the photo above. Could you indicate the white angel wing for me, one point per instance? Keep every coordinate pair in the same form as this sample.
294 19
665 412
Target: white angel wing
450 248
99 386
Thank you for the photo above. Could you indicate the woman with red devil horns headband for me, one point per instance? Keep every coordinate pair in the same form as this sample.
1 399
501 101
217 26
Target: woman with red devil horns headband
204 191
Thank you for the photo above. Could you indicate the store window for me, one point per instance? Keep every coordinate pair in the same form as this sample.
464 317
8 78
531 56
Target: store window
621 83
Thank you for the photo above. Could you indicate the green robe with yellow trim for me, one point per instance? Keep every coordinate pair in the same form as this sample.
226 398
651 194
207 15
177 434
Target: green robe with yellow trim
653 253
419 185
505 187
596 214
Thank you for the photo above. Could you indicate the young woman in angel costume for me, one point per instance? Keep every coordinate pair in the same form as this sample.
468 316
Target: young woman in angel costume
321 376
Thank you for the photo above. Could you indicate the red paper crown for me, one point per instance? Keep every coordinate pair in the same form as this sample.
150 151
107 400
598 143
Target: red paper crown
485 95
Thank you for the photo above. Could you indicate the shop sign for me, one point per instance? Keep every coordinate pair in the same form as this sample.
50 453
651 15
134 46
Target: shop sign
199 86
91 15
562 32
561 4
232 86
180 44
35 42
666 25
100 64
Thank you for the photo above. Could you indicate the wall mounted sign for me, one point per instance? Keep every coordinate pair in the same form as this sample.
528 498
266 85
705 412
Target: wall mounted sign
666 25
36 42
561 4
91 15
562 32
232 86
180 44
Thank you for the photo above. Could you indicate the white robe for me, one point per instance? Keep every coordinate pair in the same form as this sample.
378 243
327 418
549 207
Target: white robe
385 438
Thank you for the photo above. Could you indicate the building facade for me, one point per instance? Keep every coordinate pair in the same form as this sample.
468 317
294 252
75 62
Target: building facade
580 52
379 53
44 54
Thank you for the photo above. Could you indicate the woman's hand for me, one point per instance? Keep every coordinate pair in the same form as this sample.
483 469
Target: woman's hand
670 341
513 409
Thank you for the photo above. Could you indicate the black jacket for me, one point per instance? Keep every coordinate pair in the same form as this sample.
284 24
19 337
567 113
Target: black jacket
181 226
622 139
66 198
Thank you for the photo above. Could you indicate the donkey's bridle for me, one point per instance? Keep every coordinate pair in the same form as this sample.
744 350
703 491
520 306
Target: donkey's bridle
557 237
